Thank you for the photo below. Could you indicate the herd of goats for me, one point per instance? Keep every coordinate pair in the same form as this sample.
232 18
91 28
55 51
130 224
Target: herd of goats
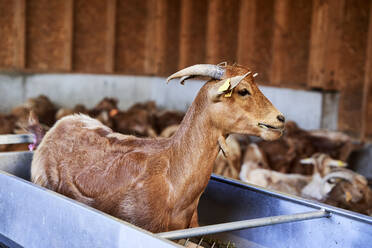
310 164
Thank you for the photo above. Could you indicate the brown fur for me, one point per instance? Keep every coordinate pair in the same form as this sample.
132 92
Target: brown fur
7 123
102 111
41 105
284 154
137 120
79 108
355 195
166 118
169 131
153 183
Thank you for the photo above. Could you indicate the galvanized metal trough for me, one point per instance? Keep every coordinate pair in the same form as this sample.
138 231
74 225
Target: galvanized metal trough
249 216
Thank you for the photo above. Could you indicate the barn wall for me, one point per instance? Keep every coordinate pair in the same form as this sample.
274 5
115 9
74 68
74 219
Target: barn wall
320 44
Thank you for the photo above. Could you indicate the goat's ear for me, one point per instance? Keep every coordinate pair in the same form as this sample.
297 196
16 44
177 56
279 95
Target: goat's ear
236 80
219 89
226 86
337 163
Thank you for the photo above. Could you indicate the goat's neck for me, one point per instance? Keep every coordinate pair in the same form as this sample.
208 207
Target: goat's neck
195 148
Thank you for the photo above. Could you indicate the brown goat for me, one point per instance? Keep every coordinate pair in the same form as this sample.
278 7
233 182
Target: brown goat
166 118
155 183
254 170
354 194
105 110
137 120
285 154
41 105
169 131
62 112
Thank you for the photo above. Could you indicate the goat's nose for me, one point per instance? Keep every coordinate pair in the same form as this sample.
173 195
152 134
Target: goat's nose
281 118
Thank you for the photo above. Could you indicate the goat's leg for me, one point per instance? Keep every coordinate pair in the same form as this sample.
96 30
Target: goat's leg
194 219
234 173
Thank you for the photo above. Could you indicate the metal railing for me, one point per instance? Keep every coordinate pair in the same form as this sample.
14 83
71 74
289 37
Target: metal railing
238 225
16 139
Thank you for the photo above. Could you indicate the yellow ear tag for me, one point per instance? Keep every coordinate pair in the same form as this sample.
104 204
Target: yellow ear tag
228 94
341 163
225 86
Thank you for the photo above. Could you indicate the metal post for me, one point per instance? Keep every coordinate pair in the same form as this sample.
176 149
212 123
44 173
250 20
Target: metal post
238 225
16 139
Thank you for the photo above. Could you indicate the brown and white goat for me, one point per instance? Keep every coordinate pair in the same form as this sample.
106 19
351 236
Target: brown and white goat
256 170
316 186
155 183
354 194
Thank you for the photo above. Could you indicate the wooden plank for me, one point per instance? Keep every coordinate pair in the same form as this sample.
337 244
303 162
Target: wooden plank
20 20
131 36
162 39
90 36
12 34
171 40
193 37
292 22
281 32
246 33
69 29
45 35
367 113
325 44
366 130
351 69
7 34
110 36
222 31
155 32
255 36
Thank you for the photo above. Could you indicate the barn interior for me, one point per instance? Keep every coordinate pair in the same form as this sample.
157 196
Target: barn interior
110 60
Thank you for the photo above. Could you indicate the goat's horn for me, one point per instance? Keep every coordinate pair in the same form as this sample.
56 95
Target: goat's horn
346 175
206 70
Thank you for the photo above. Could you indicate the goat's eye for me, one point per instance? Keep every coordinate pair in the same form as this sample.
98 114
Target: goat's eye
244 92
331 181
334 180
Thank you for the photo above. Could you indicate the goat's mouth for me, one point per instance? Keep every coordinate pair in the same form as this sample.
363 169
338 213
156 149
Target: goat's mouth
271 128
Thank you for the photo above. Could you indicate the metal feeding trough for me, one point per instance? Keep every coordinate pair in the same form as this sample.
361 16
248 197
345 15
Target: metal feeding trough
240 214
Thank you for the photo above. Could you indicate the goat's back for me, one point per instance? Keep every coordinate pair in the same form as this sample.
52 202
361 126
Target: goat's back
287 183
83 159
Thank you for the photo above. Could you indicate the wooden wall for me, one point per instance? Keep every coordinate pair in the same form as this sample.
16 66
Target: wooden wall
318 44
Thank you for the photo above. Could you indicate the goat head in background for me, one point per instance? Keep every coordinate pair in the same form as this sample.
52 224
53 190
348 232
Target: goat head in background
352 193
